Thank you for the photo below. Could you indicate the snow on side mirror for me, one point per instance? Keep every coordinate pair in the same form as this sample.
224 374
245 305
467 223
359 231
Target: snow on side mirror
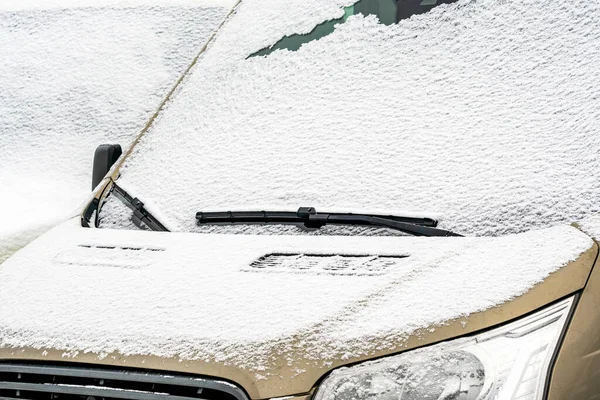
104 158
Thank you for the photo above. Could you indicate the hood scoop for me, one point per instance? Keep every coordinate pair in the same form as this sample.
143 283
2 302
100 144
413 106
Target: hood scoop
327 264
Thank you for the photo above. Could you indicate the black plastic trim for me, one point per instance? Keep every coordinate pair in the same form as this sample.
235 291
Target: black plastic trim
141 216
105 156
86 217
311 219
559 344
116 375
563 334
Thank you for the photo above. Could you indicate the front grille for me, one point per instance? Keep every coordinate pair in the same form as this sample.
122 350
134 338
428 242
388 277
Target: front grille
54 382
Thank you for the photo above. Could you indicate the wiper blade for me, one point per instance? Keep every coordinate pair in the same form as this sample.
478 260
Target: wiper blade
141 216
312 219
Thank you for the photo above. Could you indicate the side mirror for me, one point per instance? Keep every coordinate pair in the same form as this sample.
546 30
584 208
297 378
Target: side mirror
104 158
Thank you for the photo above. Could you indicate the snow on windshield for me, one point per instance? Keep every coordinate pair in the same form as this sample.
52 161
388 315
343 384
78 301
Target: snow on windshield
484 111
19 5
71 79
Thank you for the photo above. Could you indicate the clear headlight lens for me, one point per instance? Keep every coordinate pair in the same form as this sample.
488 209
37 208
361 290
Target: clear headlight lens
510 362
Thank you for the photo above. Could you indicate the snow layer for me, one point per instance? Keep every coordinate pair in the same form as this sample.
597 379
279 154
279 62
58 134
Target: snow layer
591 226
17 5
485 111
121 217
71 79
181 295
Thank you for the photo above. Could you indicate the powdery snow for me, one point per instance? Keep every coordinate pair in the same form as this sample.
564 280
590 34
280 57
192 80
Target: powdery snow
17 5
71 79
484 111
181 295
591 226
119 218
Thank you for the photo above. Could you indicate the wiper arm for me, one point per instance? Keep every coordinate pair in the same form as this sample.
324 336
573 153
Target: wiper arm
311 219
140 214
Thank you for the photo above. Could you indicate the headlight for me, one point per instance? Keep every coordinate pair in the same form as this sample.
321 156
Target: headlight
510 362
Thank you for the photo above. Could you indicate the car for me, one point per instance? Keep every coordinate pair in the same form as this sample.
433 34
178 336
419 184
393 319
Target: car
400 204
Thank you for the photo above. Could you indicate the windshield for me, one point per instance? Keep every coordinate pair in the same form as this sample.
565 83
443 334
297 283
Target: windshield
482 112
387 12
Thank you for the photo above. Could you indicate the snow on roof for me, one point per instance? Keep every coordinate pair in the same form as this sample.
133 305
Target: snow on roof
71 79
209 297
485 112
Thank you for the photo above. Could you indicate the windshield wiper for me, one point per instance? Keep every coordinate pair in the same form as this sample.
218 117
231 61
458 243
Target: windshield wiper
311 219
141 216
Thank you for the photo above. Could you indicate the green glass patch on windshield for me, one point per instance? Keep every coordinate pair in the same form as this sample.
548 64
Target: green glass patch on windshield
387 11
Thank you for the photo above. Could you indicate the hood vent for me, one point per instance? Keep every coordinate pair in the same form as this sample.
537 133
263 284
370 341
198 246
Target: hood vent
327 264
109 256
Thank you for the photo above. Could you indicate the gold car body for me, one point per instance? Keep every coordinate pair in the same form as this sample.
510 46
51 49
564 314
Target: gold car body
575 374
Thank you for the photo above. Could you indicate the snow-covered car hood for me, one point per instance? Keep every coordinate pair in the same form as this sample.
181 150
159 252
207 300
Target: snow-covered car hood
268 307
